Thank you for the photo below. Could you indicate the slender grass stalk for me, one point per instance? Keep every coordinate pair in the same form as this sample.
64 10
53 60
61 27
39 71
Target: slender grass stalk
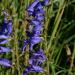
7 72
15 37
25 24
47 22
56 61
13 59
72 61
16 45
56 23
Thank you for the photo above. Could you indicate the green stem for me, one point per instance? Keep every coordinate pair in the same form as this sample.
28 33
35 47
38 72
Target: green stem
16 44
56 24
72 61
15 38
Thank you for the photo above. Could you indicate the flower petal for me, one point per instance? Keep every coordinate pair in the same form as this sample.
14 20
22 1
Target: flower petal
40 18
37 68
25 45
37 28
35 22
5 62
36 33
39 6
4 49
24 73
31 7
3 37
9 27
4 42
4 26
33 41
46 2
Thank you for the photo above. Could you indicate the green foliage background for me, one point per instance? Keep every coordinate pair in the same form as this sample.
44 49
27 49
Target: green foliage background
58 34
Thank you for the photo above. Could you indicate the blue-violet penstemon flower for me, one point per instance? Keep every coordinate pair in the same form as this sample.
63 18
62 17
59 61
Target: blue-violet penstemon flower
6 30
37 57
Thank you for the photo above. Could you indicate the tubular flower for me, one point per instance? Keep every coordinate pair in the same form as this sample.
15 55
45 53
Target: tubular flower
5 62
6 30
36 58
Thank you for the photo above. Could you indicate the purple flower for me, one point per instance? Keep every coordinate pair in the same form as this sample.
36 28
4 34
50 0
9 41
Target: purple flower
5 62
37 28
6 27
9 27
33 33
35 60
4 49
25 44
32 68
5 32
33 41
35 22
36 33
39 6
46 2
37 68
4 37
36 57
34 26
31 7
4 42
25 73
39 17
28 70
41 12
